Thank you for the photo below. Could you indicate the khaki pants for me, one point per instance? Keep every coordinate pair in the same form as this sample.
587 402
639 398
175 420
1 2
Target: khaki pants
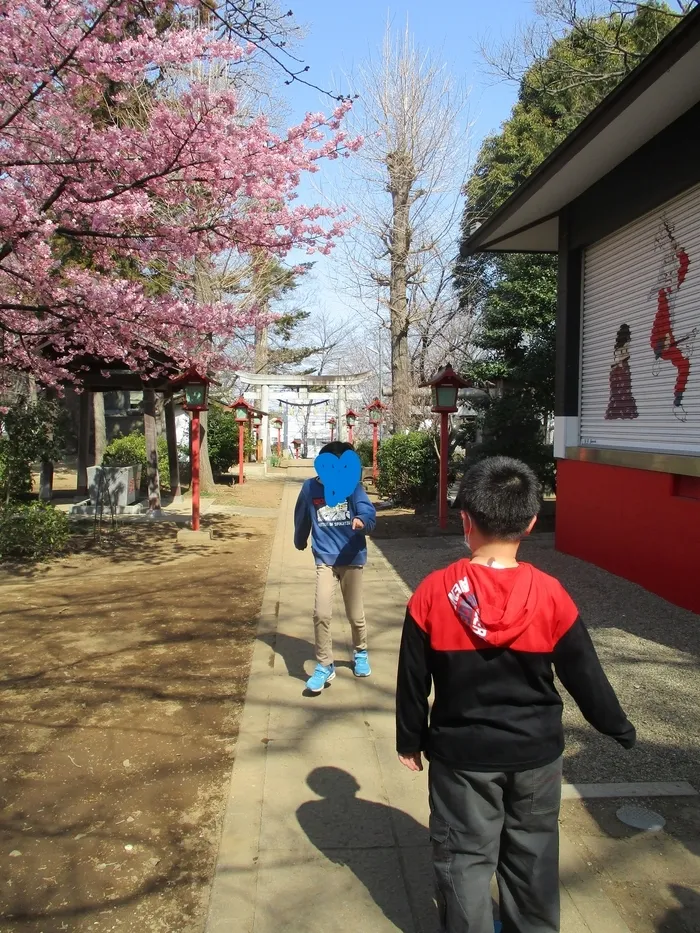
327 579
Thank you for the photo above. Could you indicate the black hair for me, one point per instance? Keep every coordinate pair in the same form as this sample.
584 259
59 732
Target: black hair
624 335
336 447
501 496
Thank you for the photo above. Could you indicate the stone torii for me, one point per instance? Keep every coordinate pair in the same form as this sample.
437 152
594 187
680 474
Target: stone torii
337 382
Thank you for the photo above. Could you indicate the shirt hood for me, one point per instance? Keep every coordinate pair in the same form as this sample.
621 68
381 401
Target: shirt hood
496 605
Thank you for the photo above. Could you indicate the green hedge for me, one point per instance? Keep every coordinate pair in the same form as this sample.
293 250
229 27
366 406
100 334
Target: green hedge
131 450
408 468
364 452
31 531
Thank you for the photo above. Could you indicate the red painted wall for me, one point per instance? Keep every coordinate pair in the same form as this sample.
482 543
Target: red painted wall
637 524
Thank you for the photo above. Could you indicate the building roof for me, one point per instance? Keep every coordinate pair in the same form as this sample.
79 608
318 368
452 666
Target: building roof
660 90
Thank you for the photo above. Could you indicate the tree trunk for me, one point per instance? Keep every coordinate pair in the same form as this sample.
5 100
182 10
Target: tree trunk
401 179
204 292
262 349
83 442
171 436
149 429
100 425
206 476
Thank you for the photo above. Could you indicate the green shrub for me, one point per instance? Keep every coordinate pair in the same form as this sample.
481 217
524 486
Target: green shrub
222 435
31 531
29 431
364 452
408 468
131 450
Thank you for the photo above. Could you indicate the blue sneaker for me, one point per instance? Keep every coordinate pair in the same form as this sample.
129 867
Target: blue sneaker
362 668
320 677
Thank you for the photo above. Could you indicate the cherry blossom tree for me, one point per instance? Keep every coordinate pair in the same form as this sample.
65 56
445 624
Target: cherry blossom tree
120 167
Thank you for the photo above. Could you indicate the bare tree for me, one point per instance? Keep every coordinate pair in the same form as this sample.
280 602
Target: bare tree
407 185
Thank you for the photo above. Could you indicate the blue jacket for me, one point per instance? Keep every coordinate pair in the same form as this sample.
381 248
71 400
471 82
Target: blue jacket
333 541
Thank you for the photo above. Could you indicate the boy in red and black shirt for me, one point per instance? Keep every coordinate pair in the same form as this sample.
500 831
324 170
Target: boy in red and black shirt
488 634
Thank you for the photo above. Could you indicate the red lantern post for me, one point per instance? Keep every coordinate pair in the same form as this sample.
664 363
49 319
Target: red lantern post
196 389
445 386
375 417
350 419
296 443
332 422
242 411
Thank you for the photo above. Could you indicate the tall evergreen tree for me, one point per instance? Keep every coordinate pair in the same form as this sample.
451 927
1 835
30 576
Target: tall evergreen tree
514 296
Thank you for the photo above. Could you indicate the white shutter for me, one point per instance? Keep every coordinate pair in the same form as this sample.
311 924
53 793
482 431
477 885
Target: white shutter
623 275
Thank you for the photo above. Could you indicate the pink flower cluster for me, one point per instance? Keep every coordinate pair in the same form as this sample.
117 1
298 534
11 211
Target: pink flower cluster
103 200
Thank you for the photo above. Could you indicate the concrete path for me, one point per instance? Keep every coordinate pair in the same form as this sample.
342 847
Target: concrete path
323 827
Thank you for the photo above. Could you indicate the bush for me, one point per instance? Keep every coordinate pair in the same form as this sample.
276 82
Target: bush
131 450
408 468
28 432
32 531
222 436
363 450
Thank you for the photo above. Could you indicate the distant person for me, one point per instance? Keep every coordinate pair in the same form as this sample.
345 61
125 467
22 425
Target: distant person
487 634
339 547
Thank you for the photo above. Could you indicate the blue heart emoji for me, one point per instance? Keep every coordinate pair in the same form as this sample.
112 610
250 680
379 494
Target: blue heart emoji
339 475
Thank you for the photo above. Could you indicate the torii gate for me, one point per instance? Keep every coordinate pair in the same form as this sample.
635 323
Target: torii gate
292 381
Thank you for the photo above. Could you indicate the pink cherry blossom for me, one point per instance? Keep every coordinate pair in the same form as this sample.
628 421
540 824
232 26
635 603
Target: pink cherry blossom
101 201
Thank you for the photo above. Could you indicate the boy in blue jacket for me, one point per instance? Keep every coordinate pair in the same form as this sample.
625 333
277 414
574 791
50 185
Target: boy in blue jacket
339 547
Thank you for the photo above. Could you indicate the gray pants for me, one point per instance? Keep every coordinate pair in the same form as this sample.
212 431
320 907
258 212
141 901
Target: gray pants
504 822
327 579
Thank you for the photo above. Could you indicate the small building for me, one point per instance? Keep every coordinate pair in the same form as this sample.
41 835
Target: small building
619 201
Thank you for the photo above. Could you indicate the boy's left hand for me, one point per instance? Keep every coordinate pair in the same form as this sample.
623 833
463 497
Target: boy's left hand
357 524
413 762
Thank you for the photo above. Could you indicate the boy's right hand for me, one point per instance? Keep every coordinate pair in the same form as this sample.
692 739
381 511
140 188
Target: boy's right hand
413 762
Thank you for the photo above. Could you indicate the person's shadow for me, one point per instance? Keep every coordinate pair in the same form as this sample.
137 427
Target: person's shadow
357 833
683 919
294 652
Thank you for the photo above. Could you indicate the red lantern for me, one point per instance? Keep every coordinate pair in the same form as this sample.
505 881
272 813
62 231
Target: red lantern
196 389
242 411
445 386
375 410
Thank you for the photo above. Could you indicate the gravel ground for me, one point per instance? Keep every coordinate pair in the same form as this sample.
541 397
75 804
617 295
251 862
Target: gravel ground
650 650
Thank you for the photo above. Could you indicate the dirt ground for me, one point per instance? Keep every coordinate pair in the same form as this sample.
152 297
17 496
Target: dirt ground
255 493
124 674
653 878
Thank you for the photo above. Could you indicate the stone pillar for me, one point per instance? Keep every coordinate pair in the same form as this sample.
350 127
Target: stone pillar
265 427
342 408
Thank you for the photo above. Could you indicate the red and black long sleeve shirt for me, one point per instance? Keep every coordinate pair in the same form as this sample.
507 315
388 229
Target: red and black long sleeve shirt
488 640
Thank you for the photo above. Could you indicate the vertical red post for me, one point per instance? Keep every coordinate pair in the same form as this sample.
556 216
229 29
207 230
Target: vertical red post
444 454
350 433
375 471
195 470
241 434
332 433
279 443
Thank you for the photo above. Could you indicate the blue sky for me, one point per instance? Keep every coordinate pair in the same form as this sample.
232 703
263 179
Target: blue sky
340 35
